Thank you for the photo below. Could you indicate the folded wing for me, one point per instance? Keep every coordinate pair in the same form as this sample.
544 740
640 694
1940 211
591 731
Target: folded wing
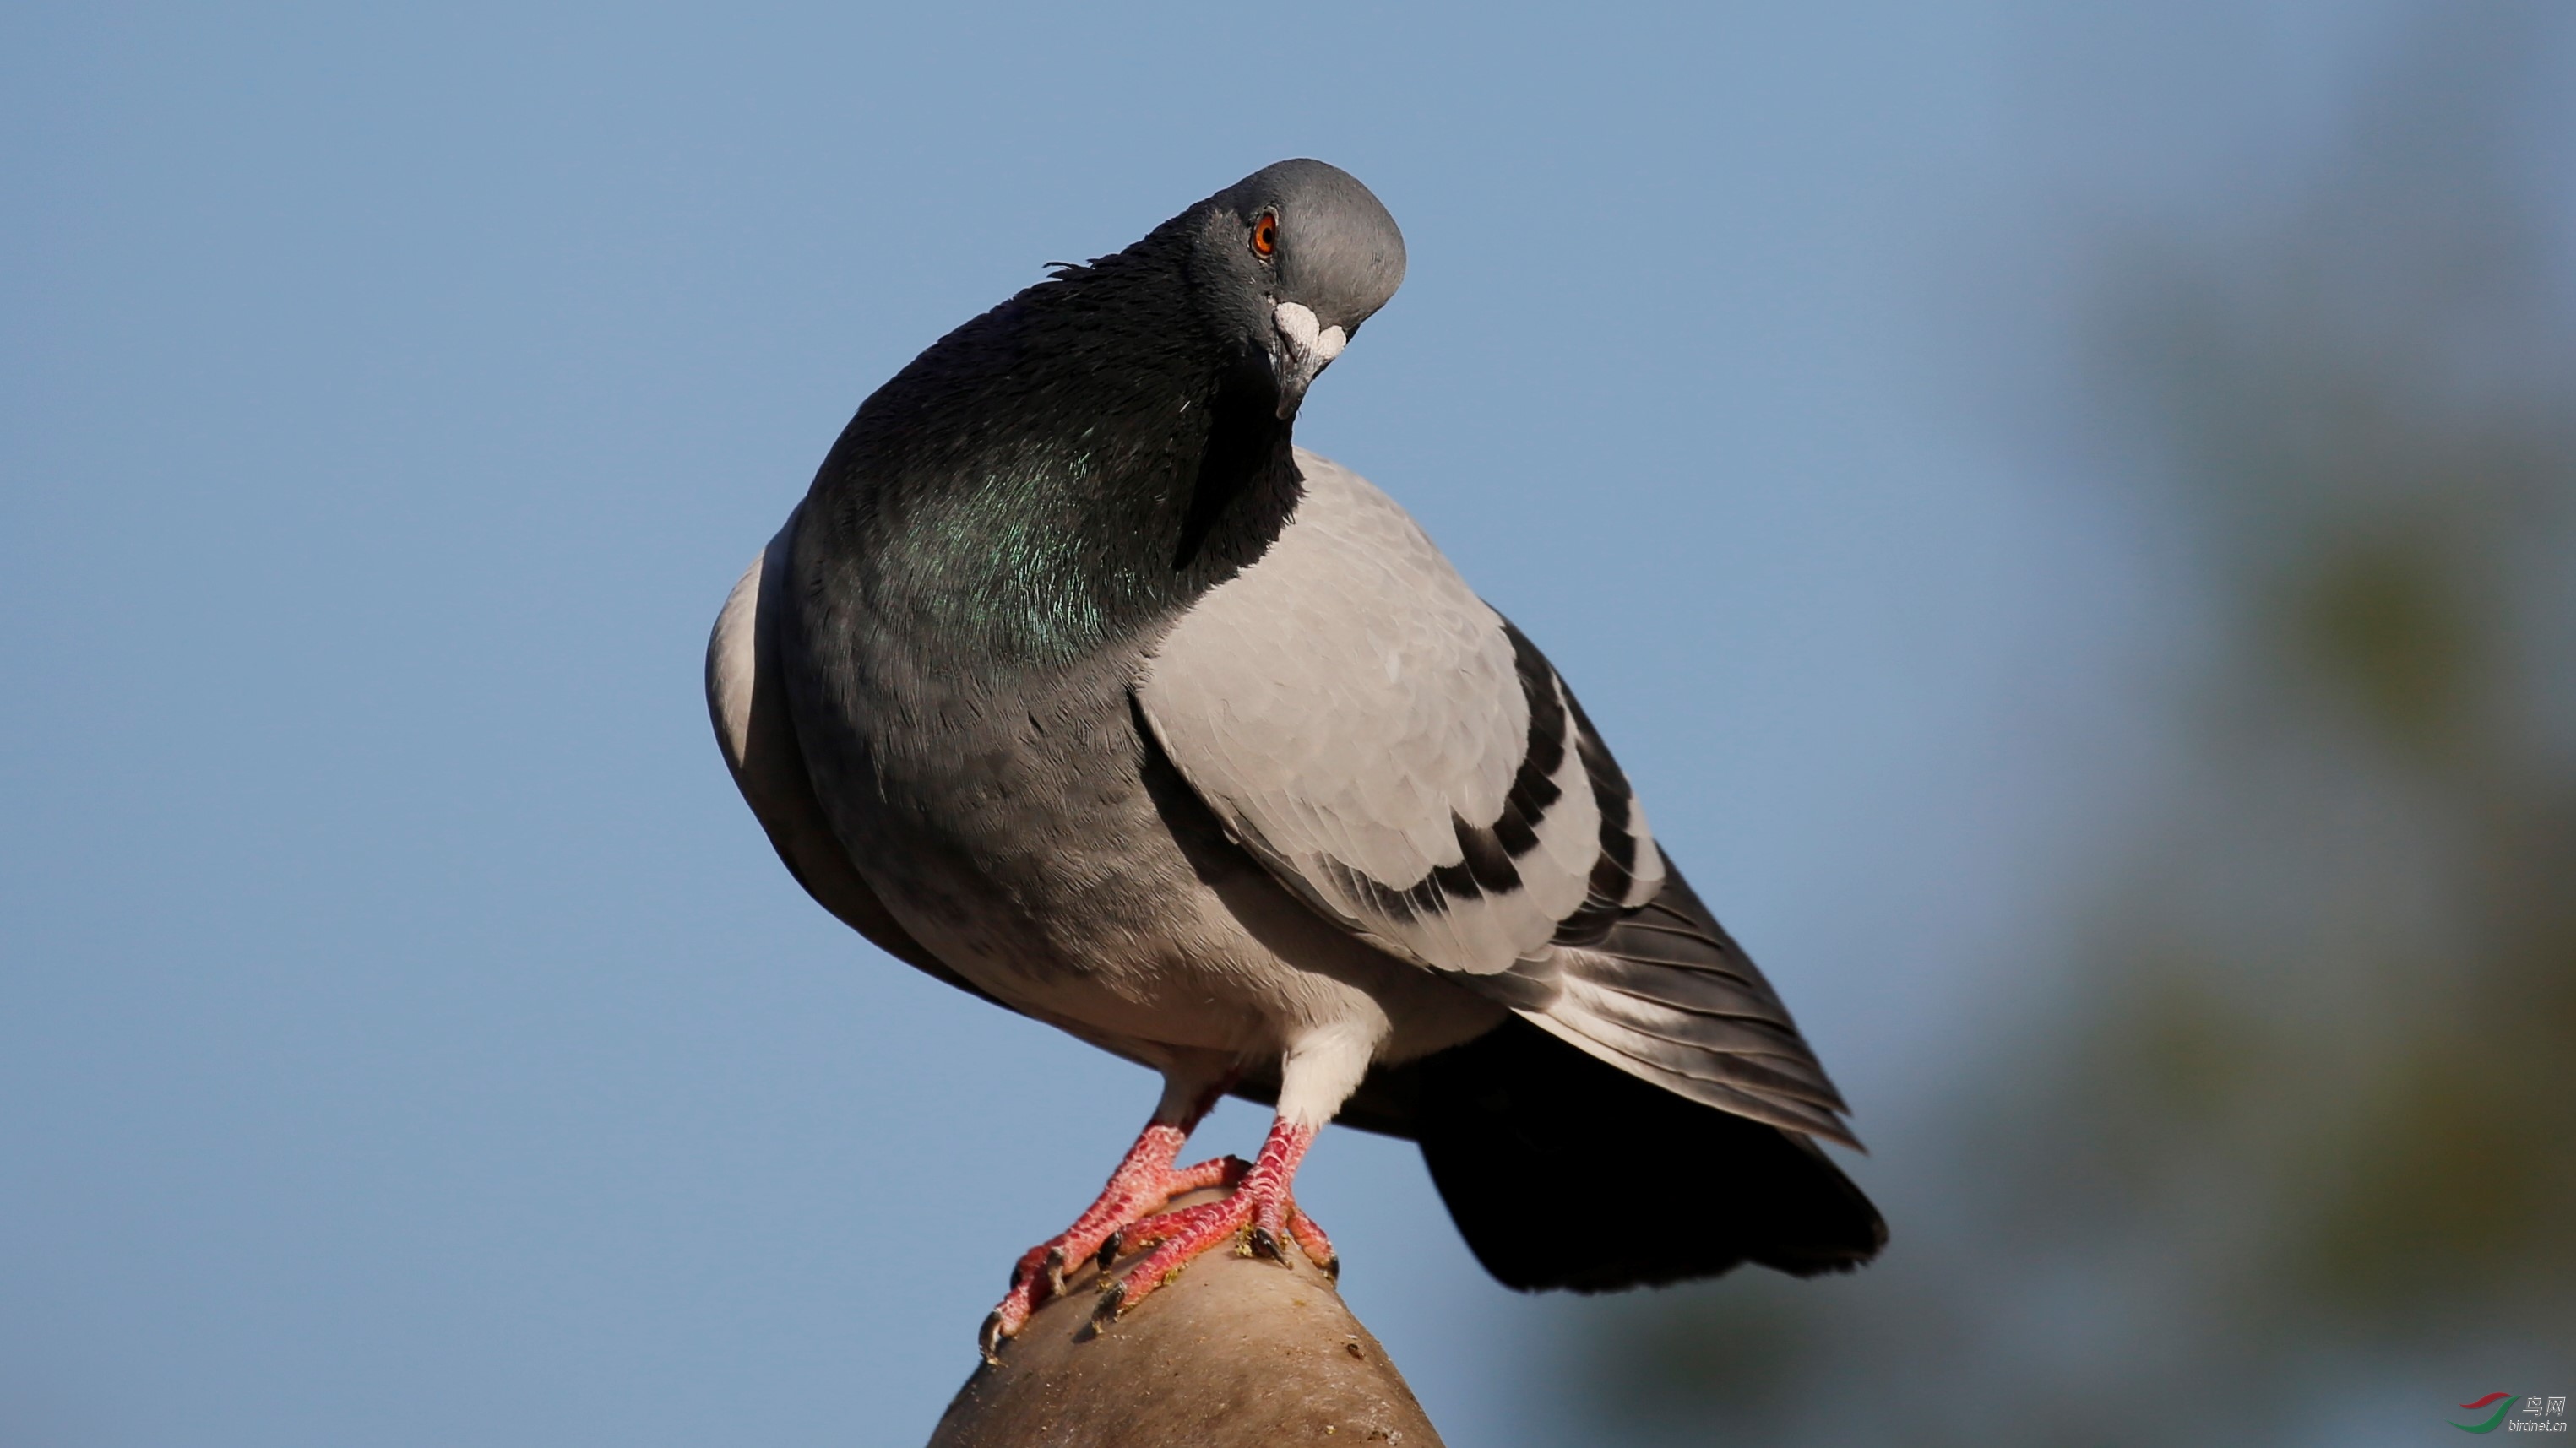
1391 748
1408 763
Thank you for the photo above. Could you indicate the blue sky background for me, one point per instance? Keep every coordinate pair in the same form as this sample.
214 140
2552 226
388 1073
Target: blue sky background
406 1036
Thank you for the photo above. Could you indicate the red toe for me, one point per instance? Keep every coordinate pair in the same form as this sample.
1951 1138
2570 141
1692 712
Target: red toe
1259 1204
1143 1182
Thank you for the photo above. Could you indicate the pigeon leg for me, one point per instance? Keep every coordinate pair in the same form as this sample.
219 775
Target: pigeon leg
1260 1210
1145 1180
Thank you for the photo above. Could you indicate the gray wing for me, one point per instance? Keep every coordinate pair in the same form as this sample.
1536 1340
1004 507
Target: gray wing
747 701
1387 744
1410 765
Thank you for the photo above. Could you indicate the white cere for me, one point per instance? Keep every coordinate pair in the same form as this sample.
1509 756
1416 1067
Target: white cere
1296 323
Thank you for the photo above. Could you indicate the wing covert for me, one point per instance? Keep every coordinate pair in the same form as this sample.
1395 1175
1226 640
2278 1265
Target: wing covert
1392 749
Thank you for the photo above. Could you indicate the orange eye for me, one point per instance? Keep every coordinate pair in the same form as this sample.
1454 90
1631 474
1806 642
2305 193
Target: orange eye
1265 234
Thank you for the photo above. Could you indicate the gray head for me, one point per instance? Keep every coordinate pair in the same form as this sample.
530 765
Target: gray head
1289 261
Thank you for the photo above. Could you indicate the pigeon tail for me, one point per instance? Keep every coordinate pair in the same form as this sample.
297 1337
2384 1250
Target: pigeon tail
1541 1152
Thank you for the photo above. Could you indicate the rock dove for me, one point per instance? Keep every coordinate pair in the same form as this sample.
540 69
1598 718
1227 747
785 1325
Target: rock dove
1076 684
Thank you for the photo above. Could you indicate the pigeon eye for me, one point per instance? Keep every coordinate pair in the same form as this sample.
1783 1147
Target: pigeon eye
1265 234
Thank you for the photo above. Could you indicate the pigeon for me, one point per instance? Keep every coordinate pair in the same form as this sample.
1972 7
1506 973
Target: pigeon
1074 682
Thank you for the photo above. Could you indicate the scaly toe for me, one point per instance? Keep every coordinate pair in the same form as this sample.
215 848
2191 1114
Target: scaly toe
1184 1223
1312 1241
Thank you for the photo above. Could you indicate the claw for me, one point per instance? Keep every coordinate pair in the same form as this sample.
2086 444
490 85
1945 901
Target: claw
988 1338
1054 1269
1110 1246
1264 1244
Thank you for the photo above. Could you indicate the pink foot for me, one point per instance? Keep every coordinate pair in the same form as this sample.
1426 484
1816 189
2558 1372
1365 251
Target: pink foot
1312 1241
1259 1209
1144 1181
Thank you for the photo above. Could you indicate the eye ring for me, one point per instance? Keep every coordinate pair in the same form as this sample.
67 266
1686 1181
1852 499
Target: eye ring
1265 234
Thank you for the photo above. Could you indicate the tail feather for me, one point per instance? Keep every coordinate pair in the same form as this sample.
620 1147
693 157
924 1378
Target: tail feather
1563 1171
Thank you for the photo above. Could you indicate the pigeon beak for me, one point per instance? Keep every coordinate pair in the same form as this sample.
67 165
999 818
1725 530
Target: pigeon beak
1299 349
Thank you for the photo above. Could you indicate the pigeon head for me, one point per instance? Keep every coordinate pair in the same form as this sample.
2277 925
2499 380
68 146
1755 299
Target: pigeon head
1287 262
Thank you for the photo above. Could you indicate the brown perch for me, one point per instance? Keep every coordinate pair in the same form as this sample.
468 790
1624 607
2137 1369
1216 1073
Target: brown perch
1236 1352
